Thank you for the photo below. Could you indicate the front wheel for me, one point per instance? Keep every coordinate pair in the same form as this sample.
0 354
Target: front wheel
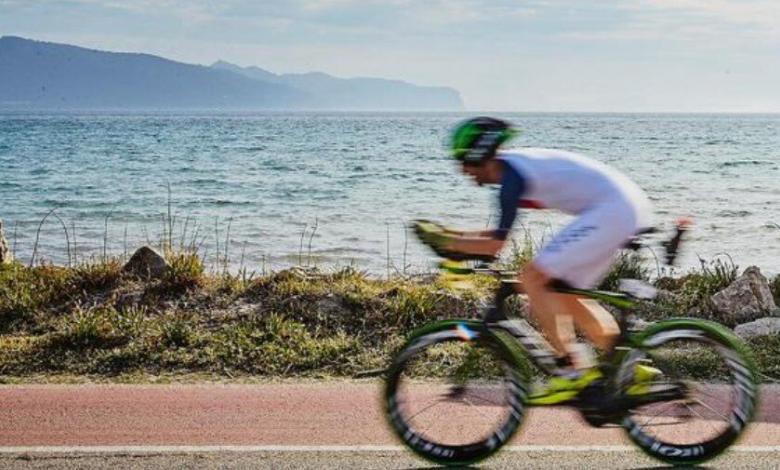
454 394
708 380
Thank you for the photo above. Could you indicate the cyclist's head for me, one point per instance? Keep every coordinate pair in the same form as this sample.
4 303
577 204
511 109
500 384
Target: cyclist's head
476 140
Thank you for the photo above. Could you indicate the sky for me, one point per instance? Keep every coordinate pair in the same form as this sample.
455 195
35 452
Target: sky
502 55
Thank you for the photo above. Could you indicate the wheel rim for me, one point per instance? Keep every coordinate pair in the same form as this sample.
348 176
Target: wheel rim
718 401
452 398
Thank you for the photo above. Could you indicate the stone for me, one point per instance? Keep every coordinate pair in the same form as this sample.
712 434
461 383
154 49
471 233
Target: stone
762 327
146 262
5 252
745 299
331 306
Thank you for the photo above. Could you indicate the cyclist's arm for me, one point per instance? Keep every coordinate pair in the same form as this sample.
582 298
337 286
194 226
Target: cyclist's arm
472 233
477 245
490 242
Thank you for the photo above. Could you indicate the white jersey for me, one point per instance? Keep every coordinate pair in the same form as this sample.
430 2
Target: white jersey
572 183
609 210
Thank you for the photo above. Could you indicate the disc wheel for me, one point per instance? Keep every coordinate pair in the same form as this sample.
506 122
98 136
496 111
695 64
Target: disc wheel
700 402
453 394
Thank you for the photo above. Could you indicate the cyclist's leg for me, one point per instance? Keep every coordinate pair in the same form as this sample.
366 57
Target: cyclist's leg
546 308
580 254
557 313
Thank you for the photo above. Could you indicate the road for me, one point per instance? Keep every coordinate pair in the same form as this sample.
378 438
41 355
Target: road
298 425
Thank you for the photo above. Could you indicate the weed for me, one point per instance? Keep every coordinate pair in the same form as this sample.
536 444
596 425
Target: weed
185 272
98 327
25 292
177 331
96 275
299 322
629 265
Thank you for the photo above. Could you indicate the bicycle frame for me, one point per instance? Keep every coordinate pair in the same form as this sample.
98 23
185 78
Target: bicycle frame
529 337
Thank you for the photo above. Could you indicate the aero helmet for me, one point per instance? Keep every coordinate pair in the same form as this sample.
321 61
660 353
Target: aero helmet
477 139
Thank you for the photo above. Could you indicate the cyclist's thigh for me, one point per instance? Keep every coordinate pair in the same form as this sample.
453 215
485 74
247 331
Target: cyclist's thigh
582 252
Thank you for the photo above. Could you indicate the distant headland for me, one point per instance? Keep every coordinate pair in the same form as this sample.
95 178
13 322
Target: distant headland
44 75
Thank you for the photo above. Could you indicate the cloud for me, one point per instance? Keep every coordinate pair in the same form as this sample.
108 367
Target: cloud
759 13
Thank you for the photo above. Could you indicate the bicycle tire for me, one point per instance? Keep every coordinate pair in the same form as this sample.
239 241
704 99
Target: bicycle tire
739 389
438 334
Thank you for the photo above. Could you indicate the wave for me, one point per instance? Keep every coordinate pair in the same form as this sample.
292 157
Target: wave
733 213
747 162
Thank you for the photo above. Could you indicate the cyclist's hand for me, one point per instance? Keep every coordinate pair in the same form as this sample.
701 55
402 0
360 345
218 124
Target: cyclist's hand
431 233
440 239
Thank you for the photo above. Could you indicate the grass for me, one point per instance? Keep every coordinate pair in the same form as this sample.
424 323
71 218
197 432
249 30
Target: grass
96 321
628 265
93 320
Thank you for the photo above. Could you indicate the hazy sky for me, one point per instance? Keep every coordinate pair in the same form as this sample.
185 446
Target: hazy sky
532 55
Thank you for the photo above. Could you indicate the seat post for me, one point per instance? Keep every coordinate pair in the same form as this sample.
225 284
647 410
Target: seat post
497 311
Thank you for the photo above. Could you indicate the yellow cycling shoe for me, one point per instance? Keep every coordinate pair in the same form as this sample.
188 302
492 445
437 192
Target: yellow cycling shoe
643 378
560 389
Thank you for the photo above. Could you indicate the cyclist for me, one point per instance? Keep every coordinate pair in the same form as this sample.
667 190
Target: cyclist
608 210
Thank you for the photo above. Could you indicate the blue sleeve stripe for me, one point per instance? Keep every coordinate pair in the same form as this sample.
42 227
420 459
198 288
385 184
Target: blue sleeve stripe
512 189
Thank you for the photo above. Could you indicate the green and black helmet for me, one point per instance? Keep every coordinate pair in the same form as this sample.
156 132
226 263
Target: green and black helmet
477 139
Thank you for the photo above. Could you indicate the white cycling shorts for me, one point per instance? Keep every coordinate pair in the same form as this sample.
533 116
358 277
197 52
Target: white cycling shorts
584 250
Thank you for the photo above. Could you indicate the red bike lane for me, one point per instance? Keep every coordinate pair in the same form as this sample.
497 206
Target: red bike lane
283 414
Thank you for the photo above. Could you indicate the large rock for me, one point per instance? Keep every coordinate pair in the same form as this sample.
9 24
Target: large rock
747 298
5 252
146 262
762 327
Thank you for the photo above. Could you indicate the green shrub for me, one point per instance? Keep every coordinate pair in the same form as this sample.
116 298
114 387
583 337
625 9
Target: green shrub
177 330
99 327
26 292
629 265
98 275
766 350
693 290
186 271
275 345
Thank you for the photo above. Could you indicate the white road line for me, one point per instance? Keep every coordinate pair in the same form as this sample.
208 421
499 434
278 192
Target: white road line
293 448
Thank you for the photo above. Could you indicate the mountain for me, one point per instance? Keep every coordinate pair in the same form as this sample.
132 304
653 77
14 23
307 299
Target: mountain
43 75
37 74
357 93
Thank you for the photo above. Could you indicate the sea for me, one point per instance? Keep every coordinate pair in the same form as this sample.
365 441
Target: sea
255 192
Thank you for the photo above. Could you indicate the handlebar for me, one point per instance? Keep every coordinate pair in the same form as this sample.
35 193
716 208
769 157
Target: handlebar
433 234
456 268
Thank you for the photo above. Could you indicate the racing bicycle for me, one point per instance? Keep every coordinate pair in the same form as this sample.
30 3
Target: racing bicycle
458 389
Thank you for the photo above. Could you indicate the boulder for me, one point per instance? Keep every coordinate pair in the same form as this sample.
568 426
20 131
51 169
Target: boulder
5 252
146 262
745 299
762 327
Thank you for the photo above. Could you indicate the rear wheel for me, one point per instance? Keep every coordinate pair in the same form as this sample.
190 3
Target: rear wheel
700 400
453 394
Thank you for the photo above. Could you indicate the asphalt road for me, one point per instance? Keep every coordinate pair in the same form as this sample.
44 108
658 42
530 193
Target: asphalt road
364 460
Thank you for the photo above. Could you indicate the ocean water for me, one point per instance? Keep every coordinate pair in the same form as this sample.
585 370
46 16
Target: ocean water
337 189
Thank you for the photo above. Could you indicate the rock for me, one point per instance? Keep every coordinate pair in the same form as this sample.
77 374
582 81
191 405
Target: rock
5 252
747 298
146 262
762 327
331 306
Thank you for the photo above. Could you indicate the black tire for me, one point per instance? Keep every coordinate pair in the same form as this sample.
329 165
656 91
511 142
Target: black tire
439 365
714 371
